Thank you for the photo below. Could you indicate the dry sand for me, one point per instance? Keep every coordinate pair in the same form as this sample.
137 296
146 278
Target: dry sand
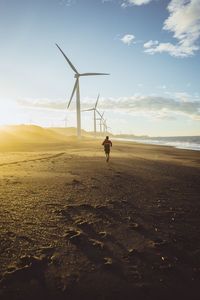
75 227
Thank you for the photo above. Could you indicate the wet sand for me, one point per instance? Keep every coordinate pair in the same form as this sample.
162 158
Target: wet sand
75 227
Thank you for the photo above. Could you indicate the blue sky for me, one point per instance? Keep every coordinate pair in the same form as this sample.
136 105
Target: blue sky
150 48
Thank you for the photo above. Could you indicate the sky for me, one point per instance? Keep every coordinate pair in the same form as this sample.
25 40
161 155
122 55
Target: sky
150 48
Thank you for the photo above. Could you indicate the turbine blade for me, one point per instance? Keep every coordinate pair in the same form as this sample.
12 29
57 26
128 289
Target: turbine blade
102 115
74 89
98 112
88 109
67 59
97 101
93 74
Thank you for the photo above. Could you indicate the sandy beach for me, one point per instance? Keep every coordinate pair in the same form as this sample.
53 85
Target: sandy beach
75 227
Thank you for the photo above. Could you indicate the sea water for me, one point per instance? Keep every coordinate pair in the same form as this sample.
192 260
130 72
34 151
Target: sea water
180 142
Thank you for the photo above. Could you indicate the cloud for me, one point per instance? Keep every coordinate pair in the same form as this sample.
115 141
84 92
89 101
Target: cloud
184 23
42 103
128 39
154 106
150 44
135 2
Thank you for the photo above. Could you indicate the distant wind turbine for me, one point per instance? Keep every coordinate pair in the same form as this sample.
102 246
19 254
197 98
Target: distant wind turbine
65 121
101 119
77 90
105 127
94 109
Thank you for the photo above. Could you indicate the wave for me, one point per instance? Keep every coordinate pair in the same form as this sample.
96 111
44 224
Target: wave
180 142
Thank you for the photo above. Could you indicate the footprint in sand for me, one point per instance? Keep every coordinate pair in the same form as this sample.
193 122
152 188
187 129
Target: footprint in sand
28 267
73 235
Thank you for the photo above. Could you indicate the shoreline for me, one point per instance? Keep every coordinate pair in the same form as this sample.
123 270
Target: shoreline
195 147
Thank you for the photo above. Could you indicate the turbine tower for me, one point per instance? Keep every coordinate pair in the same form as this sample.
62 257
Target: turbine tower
94 109
77 90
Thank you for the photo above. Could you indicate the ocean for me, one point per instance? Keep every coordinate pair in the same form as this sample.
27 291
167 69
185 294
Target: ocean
180 142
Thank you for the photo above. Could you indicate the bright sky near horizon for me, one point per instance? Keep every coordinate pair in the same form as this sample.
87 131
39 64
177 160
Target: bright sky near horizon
151 48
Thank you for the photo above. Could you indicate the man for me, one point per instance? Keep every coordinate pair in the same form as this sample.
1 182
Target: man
107 144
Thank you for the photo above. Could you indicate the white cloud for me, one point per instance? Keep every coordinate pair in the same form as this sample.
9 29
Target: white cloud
184 23
128 39
42 103
154 106
150 44
135 2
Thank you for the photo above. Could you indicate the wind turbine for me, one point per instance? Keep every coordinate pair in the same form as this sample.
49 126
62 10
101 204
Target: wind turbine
65 121
100 119
77 90
94 109
105 128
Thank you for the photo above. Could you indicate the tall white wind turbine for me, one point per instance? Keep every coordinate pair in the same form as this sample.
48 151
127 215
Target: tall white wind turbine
77 90
94 109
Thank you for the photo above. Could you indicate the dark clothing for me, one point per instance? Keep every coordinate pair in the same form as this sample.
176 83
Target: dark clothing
107 144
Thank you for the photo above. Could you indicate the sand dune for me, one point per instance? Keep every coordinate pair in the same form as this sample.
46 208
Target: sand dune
75 227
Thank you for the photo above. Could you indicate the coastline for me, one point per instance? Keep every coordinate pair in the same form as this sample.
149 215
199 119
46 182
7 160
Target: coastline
162 142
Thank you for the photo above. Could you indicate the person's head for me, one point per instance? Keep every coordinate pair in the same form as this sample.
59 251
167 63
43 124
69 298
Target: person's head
107 137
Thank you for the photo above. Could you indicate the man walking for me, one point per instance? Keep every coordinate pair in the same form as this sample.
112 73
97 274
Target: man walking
107 144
